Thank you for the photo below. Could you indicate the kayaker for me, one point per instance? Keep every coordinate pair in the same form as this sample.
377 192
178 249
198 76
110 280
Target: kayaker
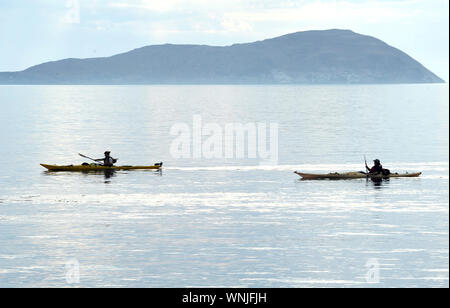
108 161
377 168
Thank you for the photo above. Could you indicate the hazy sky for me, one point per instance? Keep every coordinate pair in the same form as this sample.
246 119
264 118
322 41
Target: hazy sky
35 31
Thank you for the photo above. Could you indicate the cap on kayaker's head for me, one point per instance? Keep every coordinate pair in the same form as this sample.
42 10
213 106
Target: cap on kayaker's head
107 152
377 161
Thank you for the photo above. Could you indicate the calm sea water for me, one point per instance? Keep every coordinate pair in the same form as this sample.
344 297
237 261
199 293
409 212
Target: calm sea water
224 222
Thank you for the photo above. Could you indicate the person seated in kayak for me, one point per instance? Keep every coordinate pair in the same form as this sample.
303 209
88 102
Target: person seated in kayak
377 168
108 161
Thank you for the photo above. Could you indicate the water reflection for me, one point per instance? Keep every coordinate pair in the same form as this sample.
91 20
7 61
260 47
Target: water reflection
108 174
378 183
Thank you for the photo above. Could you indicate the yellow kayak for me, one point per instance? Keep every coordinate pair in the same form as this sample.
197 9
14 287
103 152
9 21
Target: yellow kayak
95 167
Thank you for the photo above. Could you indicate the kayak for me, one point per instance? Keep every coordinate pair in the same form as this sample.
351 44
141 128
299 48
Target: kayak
355 175
95 167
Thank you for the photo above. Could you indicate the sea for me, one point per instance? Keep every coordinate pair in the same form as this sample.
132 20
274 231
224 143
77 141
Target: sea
211 219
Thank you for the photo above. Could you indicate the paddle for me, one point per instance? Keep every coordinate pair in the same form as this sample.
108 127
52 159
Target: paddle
87 157
115 160
365 161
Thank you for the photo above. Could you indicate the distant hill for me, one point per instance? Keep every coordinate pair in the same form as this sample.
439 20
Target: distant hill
311 57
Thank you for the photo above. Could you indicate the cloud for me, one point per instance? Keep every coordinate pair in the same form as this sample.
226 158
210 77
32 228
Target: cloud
326 12
162 6
247 15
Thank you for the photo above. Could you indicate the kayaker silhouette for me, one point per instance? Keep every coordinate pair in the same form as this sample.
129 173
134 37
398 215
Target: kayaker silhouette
108 161
377 168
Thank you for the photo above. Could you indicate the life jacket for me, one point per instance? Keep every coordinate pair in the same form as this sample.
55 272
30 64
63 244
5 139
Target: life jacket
108 161
376 169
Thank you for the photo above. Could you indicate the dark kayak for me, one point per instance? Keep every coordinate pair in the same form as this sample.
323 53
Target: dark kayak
355 175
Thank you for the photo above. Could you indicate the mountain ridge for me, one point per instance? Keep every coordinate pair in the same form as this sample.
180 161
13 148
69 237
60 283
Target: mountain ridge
309 57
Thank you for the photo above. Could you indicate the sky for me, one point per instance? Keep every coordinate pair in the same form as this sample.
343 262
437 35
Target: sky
36 31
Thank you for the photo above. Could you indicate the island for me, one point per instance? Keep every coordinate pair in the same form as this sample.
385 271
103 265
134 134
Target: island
308 57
